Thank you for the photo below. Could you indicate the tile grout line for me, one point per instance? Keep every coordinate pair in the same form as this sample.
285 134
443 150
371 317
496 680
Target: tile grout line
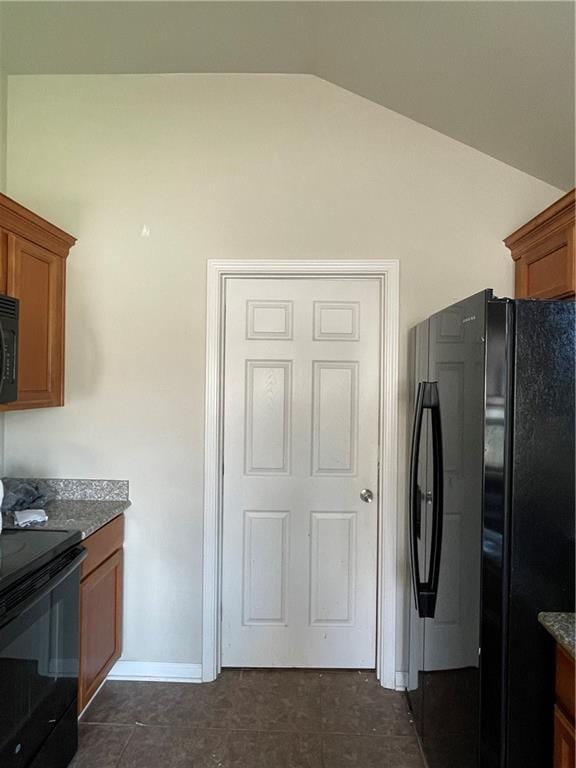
261 731
112 724
123 752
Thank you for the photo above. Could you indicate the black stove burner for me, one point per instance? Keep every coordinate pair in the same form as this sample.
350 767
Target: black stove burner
24 551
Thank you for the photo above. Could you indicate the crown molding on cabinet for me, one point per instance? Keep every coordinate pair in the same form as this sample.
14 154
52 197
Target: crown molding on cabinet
20 221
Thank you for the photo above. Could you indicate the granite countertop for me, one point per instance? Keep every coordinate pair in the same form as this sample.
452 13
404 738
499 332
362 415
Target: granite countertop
83 505
562 627
84 516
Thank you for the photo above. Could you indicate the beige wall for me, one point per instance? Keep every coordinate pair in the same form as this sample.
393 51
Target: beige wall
3 126
3 96
219 167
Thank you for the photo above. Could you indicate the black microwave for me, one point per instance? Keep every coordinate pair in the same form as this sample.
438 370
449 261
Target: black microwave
9 311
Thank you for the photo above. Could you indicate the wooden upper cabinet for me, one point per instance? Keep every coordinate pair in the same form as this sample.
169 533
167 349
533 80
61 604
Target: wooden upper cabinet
36 277
543 250
33 269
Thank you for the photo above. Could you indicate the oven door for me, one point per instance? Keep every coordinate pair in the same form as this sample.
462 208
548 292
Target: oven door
39 644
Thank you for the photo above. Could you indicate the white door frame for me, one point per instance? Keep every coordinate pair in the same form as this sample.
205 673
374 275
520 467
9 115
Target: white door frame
218 273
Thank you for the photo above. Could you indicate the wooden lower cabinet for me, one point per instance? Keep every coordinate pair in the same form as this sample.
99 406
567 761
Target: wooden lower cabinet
564 711
564 741
101 590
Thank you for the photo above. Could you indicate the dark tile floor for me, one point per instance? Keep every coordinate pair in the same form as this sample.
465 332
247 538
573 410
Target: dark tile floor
250 719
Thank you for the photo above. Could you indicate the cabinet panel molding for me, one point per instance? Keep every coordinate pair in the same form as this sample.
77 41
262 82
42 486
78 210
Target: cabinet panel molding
543 250
101 597
33 269
100 625
101 544
564 741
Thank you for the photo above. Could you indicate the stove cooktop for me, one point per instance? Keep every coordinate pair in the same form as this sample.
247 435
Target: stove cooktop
24 551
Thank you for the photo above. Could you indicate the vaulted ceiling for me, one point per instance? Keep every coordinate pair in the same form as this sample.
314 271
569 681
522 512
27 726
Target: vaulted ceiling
497 76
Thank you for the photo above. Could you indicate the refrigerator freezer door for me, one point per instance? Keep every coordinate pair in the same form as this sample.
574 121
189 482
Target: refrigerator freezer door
449 672
420 519
457 350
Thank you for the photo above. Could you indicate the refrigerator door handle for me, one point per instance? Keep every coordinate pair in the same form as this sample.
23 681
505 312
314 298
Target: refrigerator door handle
437 503
418 517
415 498
425 592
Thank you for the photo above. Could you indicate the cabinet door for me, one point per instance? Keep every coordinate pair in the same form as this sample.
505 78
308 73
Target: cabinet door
100 625
546 271
564 741
37 278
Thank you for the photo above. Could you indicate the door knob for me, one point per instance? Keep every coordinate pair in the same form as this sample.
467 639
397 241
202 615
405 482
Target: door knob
366 495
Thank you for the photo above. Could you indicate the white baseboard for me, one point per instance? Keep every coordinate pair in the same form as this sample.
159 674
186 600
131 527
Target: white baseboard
166 672
156 671
401 681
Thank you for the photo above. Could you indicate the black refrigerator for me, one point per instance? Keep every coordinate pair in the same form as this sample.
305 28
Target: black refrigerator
491 488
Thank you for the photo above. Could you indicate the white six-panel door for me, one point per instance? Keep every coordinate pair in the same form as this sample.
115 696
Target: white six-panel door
300 444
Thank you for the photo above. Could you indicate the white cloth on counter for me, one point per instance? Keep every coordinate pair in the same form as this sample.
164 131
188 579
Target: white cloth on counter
24 517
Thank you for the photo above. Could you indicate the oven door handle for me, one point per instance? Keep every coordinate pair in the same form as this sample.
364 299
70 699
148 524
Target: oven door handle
43 588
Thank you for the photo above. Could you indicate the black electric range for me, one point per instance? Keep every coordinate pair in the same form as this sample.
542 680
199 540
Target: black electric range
23 551
39 642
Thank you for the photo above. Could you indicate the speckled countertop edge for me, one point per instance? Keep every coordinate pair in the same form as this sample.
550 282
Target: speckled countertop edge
82 505
84 516
562 627
84 490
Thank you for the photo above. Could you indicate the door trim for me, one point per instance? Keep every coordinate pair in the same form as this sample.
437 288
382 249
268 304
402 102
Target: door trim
387 578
